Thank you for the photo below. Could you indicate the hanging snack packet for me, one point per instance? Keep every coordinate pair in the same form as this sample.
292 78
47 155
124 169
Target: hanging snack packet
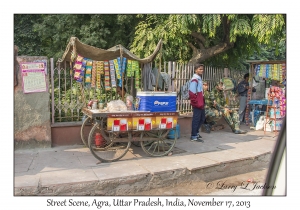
79 58
88 76
112 74
117 69
77 75
94 71
101 67
130 68
107 83
89 62
98 69
84 60
77 65
124 64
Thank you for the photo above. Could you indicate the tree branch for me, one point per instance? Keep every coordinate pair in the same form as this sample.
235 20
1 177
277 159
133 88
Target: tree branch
195 50
211 52
200 44
198 36
226 29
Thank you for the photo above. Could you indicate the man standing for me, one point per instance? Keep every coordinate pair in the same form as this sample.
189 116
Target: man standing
230 116
197 102
242 89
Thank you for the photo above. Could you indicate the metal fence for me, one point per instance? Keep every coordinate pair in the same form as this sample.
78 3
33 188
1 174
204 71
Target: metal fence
68 96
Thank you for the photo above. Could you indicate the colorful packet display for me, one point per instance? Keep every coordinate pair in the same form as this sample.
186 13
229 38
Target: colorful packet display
129 69
79 58
94 74
124 62
78 66
117 69
106 76
112 74
257 70
87 71
100 65
84 60
100 69
88 76
120 71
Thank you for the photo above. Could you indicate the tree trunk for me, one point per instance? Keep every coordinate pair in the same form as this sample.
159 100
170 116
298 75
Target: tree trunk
204 54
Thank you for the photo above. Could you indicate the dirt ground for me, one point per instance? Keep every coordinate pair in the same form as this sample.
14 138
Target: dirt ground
204 188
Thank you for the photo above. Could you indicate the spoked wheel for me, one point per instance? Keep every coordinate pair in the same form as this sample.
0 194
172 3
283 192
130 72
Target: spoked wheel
159 145
136 135
114 151
85 129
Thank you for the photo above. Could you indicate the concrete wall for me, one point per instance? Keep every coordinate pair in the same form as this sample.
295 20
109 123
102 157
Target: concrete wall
32 126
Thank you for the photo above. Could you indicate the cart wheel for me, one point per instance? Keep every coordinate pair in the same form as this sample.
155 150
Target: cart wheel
85 129
101 144
136 143
114 151
139 135
160 145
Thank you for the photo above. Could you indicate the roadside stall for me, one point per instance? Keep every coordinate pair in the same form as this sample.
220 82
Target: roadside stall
139 115
267 108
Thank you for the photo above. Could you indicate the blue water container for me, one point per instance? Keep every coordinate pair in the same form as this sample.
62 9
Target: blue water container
173 132
157 101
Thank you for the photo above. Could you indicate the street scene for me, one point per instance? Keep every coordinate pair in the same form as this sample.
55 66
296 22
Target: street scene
166 105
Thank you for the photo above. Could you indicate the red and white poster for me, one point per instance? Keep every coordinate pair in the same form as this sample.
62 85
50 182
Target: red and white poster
33 76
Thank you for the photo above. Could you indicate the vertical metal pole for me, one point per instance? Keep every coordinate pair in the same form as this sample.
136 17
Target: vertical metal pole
52 88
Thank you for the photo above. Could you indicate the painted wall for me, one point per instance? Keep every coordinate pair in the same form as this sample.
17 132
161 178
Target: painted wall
32 126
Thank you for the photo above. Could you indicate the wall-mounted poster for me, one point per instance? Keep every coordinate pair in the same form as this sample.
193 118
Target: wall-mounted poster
33 76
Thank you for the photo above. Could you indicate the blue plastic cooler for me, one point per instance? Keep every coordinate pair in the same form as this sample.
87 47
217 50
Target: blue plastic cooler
157 101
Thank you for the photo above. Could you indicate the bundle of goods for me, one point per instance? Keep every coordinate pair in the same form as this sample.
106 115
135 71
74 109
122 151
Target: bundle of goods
116 105
277 94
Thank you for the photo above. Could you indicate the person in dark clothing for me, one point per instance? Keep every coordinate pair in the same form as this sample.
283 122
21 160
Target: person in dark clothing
198 113
242 90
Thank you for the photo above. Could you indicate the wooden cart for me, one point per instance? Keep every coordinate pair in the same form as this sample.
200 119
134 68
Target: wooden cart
111 134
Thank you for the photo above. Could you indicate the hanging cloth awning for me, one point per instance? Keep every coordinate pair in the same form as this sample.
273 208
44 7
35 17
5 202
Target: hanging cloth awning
98 54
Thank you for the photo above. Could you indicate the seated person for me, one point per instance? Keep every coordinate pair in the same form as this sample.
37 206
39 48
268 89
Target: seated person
212 115
231 116
124 96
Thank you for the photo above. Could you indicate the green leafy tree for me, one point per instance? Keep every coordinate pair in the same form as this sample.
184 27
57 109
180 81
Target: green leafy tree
25 37
52 32
221 39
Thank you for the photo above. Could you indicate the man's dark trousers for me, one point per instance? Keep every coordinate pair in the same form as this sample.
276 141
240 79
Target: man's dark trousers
198 120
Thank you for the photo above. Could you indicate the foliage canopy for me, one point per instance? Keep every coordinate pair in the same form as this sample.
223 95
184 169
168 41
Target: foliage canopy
214 39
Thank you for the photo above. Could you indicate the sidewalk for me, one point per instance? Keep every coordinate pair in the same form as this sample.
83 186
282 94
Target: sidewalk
73 170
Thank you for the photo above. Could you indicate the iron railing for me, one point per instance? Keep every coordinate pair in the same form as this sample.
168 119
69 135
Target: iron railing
68 96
